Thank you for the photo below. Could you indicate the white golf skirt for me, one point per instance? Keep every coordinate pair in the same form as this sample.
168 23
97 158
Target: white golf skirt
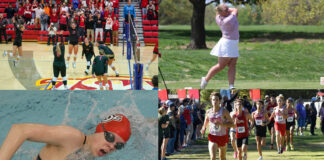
226 48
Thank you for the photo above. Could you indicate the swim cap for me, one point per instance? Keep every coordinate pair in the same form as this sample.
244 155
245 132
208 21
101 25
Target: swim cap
117 124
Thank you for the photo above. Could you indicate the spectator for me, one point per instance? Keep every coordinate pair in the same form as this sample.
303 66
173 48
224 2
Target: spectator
44 22
173 131
144 4
38 12
302 116
34 6
90 27
150 11
313 116
28 14
247 104
308 116
21 10
3 24
75 4
99 28
129 9
47 11
115 28
84 3
10 13
109 4
54 19
155 82
321 115
64 8
63 21
115 5
82 26
163 132
51 33
108 28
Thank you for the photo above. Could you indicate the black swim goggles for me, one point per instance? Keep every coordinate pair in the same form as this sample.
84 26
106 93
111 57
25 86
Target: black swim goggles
110 137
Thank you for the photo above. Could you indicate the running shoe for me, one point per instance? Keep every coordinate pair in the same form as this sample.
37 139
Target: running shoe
271 146
117 74
53 88
67 65
86 72
10 54
291 147
286 148
5 53
74 64
296 133
203 83
260 158
302 134
235 155
66 88
281 150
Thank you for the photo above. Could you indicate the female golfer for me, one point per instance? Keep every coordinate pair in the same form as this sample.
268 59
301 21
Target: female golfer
73 44
241 118
87 50
219 120
280 115
100 69
261 120
65 142
19 29
290 123
227 47
59 62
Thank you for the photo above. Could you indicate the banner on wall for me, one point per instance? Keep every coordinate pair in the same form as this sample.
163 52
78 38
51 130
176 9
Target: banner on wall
193 93
255 94
182 94
163 95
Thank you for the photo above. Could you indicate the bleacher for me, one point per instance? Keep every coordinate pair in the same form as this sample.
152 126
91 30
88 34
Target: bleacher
34 33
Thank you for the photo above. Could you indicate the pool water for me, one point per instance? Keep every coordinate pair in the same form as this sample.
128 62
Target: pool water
83 110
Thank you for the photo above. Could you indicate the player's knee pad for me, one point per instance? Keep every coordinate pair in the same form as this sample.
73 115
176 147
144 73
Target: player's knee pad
64 78
88 63
54 79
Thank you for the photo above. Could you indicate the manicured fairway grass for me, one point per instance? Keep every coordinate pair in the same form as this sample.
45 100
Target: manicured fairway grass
270 57
307 147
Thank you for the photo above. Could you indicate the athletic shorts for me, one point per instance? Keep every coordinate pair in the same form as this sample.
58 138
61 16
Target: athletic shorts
241 141
301 122
220 140
99 73
289 124
261 131
281 128
270 125
73 43
59 69
17 43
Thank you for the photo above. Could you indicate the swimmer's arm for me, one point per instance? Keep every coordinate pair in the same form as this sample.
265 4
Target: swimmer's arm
54 135
229 121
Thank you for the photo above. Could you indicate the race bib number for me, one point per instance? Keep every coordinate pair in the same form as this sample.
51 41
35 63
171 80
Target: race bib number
241 129
290 119
258 122
279 118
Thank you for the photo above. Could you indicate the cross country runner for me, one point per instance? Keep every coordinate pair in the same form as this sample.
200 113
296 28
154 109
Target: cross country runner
280 115
219 121
241 118
261 120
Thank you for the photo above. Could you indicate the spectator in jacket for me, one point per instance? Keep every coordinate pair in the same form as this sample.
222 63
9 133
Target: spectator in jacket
44 22
3 24
302 116
10 13
313 116
90 27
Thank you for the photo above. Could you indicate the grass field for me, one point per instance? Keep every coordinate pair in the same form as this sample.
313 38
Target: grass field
270 57
307 147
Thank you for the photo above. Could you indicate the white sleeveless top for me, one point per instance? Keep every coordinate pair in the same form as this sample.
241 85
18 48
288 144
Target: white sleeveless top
215 129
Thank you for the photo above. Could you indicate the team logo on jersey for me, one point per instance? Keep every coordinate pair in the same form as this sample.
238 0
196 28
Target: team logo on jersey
89 83
113 118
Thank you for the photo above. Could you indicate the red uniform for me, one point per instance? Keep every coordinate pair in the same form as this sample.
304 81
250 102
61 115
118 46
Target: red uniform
82 19
242 126
54 18
21 11
115 25
115 3
280 122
